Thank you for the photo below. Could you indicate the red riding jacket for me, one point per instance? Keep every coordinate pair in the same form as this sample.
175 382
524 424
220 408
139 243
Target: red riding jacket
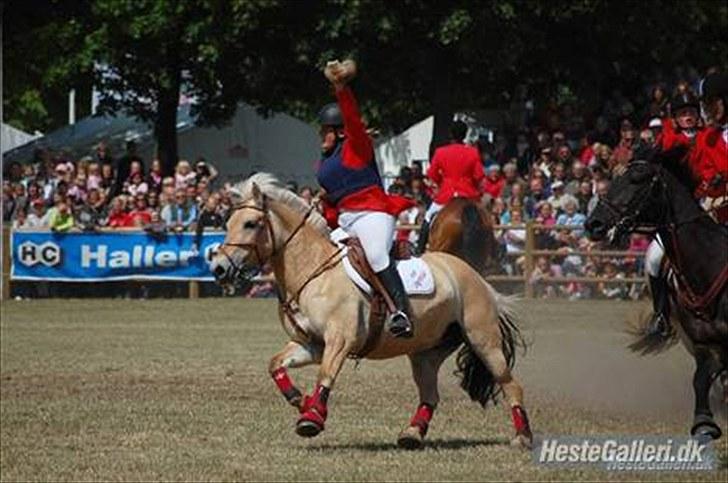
457 170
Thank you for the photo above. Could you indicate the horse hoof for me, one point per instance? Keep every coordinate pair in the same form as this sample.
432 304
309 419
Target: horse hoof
308 429
410 439
523 441
705 430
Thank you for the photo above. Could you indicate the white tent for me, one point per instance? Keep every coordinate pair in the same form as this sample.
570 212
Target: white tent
400 150
11 137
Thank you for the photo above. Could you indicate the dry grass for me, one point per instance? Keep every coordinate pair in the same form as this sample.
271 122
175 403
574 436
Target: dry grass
178 390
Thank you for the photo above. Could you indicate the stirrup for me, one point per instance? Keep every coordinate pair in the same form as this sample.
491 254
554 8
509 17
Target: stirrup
400 325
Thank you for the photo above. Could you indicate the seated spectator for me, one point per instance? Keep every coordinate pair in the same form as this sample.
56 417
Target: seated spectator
210 217
602 188
77 192
137 185
62 218
612 290
140 215
578 176
493 182
108 178
545 214
179 215
19 219
36 218
544 270
584 196
91 215
156 227
571 217
118 217
94 179
559 196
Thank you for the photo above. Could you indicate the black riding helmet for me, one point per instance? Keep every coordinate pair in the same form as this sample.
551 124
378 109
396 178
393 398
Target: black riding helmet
683 101
330 115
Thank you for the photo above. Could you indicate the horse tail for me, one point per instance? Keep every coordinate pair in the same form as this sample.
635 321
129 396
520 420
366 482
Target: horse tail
644 342
475 377
474 237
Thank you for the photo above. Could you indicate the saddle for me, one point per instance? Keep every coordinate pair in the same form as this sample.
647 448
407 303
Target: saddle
379 300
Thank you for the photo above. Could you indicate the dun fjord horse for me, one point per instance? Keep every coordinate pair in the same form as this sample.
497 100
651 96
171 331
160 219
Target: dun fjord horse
464 229
657 196
326 316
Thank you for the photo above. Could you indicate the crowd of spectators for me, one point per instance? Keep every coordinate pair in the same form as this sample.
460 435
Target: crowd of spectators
552 169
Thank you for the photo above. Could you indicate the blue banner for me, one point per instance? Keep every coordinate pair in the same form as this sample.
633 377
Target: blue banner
111 256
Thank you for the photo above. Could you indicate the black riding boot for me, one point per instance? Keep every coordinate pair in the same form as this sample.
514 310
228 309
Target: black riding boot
660 322
423 237
399 323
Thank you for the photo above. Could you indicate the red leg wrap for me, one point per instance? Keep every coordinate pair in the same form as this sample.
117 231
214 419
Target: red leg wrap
520 420
422 417
314 406
285 385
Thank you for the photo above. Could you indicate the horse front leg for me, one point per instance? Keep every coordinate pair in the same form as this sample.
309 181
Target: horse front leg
703 424
293 355
315 407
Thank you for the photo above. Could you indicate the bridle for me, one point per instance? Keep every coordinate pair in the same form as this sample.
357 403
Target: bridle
628 218
240 272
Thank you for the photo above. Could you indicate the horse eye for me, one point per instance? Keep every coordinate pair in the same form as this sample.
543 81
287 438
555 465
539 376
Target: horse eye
250 225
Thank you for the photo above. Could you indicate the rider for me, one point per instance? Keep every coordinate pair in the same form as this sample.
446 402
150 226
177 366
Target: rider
681 130
457 170
349 175
711 147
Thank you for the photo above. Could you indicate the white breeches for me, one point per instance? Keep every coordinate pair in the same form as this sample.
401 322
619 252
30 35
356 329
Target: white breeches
375 231
653 257
432 211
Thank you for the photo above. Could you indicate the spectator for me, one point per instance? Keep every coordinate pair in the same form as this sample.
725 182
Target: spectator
118 217
511 178
602 189
578 176
210 217
62 219
184 175
154 178
205 170
493 182
179 215
36 218
137 185
91 215
584 196
140 215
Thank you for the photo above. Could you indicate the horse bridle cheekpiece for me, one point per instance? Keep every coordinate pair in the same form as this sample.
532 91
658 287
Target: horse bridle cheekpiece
243 274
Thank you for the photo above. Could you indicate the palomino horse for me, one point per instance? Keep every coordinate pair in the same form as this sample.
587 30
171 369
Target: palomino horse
326 315
654 196
464 229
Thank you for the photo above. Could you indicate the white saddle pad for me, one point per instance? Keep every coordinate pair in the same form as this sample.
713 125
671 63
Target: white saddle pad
416 274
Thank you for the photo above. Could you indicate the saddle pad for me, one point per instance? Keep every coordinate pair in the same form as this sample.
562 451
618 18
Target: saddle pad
416 274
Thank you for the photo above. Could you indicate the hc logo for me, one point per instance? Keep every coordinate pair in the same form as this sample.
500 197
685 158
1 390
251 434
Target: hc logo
48 253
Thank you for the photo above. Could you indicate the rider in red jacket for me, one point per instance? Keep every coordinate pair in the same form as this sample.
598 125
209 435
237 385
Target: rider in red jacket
354 194
457 171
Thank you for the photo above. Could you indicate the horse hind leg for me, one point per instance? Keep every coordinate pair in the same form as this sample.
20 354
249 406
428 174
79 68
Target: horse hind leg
495 357
425 369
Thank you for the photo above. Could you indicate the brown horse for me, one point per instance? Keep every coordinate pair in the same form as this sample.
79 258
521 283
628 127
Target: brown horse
327 316
464 229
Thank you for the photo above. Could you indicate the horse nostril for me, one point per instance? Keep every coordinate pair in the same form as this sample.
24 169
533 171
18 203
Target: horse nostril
219 271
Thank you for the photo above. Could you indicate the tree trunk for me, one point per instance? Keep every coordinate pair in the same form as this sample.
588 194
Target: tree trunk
442 105
165 125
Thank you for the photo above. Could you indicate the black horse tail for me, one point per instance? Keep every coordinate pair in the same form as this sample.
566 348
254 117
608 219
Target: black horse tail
474 238
475 377
644 341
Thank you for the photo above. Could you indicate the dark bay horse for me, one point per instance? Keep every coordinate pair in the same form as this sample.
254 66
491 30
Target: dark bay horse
656 196
465 229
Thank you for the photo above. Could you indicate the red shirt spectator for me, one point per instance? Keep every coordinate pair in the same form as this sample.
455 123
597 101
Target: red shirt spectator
493 184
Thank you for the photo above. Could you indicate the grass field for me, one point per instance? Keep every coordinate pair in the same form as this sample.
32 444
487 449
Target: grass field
178 390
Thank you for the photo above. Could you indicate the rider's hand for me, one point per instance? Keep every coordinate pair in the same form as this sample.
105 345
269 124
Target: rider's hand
340 73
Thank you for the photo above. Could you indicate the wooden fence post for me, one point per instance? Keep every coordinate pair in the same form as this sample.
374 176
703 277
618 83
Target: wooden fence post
194 289
528 268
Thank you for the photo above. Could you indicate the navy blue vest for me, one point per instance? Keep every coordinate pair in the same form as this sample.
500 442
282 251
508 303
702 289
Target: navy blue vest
340 181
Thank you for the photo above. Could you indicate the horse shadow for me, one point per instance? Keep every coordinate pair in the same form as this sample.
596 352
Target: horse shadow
435 444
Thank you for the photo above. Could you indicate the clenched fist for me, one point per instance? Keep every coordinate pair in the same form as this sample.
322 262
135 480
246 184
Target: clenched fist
339 73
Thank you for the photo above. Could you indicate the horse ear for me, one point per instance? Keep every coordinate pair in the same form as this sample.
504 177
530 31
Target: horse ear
258 195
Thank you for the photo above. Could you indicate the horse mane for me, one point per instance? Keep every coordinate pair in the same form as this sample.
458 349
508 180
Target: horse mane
673 161
271 187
